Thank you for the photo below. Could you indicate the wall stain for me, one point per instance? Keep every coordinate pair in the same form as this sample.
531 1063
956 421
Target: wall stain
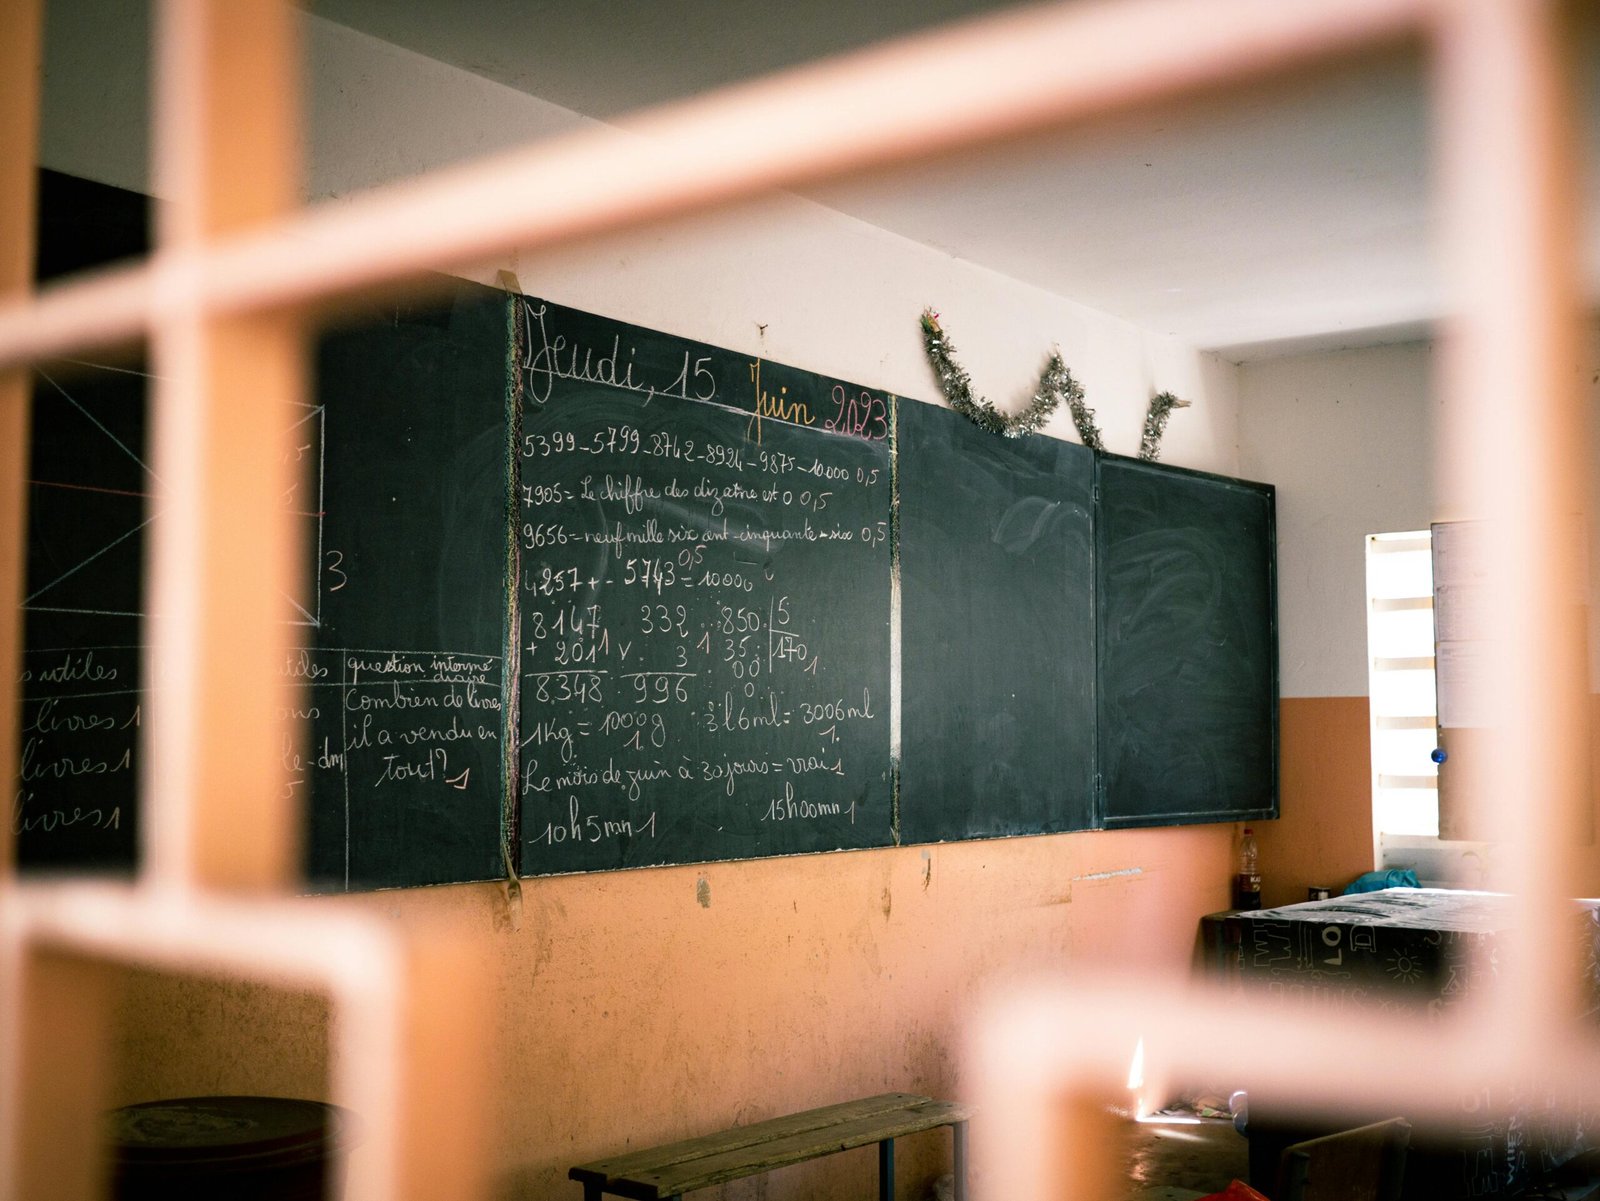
863 938
702 892
542 934
888 902
931 1064
507 916
927 870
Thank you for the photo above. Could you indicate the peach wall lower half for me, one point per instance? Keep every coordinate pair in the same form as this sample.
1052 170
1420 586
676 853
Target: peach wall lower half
636 1007
1323 835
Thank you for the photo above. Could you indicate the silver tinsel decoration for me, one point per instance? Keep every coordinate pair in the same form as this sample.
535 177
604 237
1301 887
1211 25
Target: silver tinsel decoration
1155 423
1055 385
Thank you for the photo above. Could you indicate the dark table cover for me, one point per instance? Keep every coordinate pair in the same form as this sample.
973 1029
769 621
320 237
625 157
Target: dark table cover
1410 947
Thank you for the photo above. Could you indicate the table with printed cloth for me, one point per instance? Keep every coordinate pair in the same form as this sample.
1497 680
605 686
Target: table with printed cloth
1430 948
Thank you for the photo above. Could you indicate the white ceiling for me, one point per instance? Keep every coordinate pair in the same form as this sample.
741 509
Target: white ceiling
1291 216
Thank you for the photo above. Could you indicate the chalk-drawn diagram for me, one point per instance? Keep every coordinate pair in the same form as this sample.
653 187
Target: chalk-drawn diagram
89 485
90 490
305 500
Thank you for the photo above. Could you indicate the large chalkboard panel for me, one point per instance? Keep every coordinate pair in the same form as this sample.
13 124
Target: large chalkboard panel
1188 646
408 505
997 630
406 610
82 704
704 602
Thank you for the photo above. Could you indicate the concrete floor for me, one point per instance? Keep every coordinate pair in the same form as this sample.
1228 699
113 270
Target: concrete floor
1182 1152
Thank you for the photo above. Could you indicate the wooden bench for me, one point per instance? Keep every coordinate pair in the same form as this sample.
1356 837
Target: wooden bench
678 1168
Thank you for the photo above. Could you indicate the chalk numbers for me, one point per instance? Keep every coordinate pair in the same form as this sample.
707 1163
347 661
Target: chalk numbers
683 643
333 571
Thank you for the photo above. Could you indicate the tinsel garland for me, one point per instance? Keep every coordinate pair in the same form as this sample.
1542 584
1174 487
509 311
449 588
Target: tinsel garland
1055 385
1155 423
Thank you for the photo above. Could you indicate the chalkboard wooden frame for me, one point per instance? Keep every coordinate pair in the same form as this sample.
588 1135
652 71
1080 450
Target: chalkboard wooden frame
1206 705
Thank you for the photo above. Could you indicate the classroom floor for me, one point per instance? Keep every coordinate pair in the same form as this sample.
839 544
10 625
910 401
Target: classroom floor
1178 1149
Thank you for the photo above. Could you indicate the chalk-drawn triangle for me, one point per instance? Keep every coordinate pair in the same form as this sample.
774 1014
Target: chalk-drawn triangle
103 411
105 577
299 615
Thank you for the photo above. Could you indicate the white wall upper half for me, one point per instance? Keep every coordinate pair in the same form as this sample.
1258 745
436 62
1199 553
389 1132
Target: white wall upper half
1347 439
374 112
783 278
1350 440
833 294
94 95
790 281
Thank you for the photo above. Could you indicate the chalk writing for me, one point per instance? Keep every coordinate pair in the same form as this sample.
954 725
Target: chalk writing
704 603
398 721
549 358
82 712
27 818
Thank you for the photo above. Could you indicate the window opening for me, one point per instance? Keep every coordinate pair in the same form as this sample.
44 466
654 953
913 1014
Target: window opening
1400 681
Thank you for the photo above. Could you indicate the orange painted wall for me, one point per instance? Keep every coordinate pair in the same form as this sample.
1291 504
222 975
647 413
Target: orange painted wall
1324 833
636 1007
631 1008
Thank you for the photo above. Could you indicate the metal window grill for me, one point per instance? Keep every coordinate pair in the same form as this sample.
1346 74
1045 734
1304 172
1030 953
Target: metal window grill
221 301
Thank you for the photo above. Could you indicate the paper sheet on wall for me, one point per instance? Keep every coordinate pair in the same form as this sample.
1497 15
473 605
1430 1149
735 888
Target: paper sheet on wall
1463 572
1460 583
1465 700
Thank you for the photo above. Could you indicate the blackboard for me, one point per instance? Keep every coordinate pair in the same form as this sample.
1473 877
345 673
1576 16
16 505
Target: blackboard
406 497
1188 667
582 595
82 702
997 630
705 563
405 613
88 482
400 630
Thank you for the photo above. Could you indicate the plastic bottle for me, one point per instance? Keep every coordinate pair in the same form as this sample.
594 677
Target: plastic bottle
1247 881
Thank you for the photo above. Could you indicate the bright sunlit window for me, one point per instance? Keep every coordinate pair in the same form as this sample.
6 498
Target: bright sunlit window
1400 680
